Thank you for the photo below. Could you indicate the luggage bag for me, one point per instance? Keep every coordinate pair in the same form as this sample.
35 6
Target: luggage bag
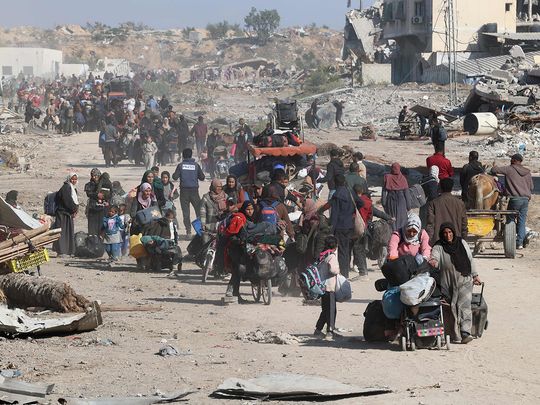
479 313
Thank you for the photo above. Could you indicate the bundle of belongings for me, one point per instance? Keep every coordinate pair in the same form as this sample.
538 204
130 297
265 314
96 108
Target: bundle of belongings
409 282
277 139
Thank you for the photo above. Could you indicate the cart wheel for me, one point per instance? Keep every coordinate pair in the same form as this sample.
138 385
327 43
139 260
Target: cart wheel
381 259
510 240
447 342
266 288
439 342
403 344
413 345
256 291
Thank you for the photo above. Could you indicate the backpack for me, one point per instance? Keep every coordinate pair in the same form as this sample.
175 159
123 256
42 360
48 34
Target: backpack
417 196
50 204
310 282
443 135
269 213
375 322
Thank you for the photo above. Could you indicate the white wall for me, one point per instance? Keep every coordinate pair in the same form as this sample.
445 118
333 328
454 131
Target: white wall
43 62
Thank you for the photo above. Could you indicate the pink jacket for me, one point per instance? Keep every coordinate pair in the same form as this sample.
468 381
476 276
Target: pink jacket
329 269
397 249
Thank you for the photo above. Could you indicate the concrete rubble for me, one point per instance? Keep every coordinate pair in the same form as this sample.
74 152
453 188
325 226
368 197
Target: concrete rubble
278 338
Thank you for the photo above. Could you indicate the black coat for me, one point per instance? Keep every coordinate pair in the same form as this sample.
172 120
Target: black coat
64 200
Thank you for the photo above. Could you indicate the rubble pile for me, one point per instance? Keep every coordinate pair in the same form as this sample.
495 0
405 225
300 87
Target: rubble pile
278 338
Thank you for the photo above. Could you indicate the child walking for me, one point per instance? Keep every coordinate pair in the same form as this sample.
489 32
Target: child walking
149 150
328 270
124 233
111 228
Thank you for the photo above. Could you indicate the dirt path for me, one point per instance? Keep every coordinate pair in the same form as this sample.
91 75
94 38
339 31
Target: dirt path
502 367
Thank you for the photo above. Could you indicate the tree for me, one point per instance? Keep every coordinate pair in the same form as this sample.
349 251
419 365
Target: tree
218 30
263 23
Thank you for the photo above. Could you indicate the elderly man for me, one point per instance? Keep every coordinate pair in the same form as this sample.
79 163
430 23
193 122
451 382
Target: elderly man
519 186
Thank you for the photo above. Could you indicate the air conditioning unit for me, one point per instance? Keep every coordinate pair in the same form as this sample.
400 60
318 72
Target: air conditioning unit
418 19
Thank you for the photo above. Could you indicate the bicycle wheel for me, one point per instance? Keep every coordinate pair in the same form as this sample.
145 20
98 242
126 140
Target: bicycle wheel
208 264
266 288
256 291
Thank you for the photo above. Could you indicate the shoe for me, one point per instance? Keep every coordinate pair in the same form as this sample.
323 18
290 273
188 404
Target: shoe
355 269
466 338
519 247
319 334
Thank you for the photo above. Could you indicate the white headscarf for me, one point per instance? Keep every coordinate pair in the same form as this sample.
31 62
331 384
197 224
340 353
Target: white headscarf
434 172
74 195
414 222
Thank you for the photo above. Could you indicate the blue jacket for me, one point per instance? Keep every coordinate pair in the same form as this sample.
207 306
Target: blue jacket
189 173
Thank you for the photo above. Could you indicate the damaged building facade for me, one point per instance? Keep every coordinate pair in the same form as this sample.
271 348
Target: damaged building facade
419 28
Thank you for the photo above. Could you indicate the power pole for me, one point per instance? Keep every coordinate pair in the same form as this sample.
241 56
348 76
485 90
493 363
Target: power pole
452 51
530 4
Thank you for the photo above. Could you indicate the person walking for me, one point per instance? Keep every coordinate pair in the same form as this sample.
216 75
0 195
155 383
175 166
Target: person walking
395 200
189 173
519 187
67 207
438 159
438 135
468 171
334 168
112 227
446 208
354 179
339 105
199 131
452 255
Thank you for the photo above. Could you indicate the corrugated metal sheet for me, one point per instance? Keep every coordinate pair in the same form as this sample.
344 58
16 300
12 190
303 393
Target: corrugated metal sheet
515 36
475 67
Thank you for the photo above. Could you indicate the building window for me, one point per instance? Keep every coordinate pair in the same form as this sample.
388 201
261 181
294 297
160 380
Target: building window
7 70
508 7
28 70
400 11
388 12
420 9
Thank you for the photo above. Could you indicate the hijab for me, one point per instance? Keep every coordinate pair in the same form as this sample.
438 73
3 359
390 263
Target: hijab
395 180
218 198
434 172
95 172
145 202
74 195
244 207
104 184
456 250
117 188
414 222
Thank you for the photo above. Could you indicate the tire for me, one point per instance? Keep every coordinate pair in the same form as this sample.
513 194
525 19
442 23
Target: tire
381 257
256 291
447 342
510 240
266 289
403 344
439 342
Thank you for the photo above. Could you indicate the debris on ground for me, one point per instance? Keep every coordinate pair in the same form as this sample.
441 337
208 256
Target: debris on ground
278 338
168 350
292 387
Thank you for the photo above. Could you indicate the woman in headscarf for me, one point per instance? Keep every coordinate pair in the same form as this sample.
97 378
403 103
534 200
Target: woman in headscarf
234 190
95 207
451 254
104 186
410 240
118 194
430 185
67 207
395 197
152 178
213 206
145 199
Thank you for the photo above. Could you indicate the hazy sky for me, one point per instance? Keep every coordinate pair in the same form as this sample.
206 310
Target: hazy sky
169 13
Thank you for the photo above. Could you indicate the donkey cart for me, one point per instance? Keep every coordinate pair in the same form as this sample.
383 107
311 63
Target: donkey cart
492 226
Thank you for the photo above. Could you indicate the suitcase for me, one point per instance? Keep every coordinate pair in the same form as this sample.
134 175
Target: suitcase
479 313
144 217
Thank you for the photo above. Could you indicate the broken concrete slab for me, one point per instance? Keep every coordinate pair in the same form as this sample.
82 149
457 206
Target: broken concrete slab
19 392
292 387
157 399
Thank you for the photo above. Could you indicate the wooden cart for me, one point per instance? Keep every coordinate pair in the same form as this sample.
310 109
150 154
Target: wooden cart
492 226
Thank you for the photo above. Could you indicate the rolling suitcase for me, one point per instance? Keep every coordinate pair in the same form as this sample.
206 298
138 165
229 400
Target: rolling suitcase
479 313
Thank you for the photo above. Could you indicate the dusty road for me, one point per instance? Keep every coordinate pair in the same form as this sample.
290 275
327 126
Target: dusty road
501 367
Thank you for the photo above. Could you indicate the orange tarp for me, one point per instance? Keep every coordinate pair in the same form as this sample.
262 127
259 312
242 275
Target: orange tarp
305 149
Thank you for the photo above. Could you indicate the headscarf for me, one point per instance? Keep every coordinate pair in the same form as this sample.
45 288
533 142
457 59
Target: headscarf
145 175
414 222
145 202
456 250
95 172
310 209
434 172
166 125
11 198
218 198
74 195
117 188
244 207
395 180
105 185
